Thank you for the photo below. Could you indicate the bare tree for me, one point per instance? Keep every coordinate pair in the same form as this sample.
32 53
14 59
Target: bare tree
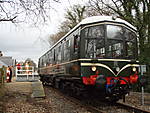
30 11
96 8
30 62
136 12
73 16
53 38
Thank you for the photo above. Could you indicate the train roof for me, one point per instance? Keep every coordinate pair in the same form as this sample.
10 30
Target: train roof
95 19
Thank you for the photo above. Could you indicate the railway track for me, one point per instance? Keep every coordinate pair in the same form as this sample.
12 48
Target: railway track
102 107
132 108
89 108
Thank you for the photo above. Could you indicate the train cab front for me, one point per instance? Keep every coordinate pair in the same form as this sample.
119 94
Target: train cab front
106 81
117 87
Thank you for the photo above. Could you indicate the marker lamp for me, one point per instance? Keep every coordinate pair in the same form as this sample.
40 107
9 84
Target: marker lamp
134 69
117 69
93 68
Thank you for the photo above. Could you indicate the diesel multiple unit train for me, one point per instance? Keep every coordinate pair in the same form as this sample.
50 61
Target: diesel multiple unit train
97 57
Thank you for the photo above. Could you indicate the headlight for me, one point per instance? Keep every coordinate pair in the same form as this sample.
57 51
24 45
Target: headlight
134 69
93 68
117 69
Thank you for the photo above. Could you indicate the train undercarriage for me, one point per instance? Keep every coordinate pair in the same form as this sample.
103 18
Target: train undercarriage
74 86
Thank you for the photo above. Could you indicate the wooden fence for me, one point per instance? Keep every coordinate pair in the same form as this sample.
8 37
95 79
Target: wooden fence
2 80
2 75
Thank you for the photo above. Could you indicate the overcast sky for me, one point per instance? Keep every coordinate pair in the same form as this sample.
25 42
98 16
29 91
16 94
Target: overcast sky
26 42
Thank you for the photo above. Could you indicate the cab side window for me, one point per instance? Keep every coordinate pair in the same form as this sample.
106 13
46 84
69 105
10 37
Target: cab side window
76 43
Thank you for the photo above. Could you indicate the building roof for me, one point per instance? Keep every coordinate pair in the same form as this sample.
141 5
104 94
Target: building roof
2 64
7 60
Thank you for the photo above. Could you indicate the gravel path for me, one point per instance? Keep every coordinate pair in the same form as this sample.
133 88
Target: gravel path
18 100
62 104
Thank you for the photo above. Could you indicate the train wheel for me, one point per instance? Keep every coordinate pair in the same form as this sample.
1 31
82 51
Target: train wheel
56 83
61 86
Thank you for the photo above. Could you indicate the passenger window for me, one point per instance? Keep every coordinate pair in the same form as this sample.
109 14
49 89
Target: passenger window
50 57
59 54
54 54
67 50
76 43
62 52
42 62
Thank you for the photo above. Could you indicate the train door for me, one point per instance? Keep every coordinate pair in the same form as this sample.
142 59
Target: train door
76 45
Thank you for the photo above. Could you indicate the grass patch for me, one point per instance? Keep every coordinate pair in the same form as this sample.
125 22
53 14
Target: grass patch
2 94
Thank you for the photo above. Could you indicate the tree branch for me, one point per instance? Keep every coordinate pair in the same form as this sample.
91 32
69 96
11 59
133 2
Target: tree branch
113 9
11 19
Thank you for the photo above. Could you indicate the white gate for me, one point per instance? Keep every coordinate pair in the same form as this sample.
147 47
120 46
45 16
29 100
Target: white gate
26 74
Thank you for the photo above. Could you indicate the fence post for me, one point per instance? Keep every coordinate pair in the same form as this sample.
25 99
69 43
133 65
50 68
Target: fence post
0 77
2 74
142 71
32 72
16 72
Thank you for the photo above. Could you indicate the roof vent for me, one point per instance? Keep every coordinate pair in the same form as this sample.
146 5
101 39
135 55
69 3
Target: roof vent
114 17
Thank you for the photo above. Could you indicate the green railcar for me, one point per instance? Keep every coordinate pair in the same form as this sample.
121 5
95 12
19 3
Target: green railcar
99 54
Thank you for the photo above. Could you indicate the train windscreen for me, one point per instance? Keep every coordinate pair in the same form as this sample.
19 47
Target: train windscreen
110 41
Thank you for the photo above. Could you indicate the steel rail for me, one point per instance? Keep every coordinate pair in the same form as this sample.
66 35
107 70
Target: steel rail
133 108
93 109
86 106
80 103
